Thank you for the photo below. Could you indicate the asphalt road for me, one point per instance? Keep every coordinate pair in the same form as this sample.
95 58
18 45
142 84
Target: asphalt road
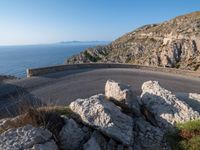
63 87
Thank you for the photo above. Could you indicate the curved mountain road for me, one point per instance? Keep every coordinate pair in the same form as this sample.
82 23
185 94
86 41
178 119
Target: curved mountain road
63 87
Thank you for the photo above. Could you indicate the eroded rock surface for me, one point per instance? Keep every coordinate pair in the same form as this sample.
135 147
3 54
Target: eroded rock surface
106 117
148 137
121 93
101 140
165 106
117 91
71 136
27 137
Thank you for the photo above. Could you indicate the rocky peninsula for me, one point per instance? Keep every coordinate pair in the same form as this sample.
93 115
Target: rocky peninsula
174 43
117 119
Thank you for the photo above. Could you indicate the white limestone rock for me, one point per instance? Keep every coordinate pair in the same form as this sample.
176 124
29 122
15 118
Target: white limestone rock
27 137
194 96
165 106
103 115
71 136
121 93
117 91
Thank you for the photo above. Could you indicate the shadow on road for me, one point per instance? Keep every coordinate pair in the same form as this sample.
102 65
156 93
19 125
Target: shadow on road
192 102
15 100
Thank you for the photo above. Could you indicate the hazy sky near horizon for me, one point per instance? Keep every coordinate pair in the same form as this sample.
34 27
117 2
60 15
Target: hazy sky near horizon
49 21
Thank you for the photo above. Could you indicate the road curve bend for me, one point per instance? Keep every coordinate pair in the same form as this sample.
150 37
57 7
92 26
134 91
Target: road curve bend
61 88
66 86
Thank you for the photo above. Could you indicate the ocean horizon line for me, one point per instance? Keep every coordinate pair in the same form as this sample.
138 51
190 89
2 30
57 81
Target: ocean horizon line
54 43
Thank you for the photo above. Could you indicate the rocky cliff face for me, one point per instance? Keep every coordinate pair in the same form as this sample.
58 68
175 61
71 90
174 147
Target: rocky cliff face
174 43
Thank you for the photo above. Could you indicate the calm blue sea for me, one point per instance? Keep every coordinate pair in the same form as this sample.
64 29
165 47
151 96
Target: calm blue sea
14 60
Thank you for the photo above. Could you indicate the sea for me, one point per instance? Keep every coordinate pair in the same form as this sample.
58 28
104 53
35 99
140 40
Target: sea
14 60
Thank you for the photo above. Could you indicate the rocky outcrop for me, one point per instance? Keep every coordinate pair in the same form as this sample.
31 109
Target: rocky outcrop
164 106
97 123
71 136
174 43
148 137
105 116
27 137
117 91
121 94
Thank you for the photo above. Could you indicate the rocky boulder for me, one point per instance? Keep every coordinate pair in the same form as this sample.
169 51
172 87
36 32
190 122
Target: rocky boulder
165 106
148 137
106 117
91 144
100 139
71 136
121 94
117 91
27 137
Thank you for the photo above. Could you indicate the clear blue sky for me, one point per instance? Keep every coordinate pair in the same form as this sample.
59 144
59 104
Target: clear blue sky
49 21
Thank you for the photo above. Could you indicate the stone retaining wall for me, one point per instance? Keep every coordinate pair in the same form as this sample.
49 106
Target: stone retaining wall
53 69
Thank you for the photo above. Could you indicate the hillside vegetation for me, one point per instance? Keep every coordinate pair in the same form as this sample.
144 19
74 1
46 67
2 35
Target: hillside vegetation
186 137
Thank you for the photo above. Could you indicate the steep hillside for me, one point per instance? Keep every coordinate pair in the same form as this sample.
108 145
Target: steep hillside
174 43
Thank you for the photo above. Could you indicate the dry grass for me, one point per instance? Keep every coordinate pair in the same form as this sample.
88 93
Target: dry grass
47 117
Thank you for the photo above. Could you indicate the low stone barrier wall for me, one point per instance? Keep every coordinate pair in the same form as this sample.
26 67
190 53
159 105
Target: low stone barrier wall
53 69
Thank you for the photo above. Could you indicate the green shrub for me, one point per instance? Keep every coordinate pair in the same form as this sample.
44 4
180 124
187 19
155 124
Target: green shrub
190 126
191 144
91 58
185 137
177 65
196 67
